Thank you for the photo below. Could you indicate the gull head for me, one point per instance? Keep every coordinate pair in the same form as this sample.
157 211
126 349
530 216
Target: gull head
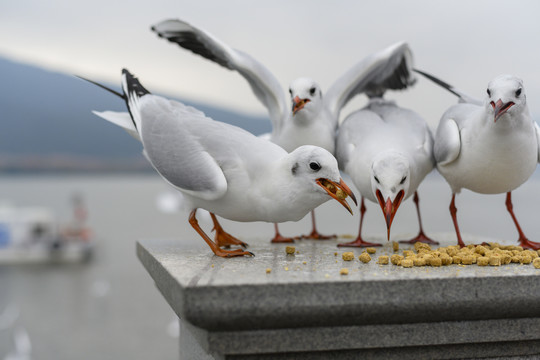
315 171
505 94
390 179
306 97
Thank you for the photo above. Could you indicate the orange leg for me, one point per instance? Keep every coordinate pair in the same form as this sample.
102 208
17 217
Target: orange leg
215 248
314 233
421 237
453 211
359 242
223 238
523 241
279 238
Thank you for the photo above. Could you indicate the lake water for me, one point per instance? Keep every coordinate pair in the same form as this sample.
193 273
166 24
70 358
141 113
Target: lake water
110 308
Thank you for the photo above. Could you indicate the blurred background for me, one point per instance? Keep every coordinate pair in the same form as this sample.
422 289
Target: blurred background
67 174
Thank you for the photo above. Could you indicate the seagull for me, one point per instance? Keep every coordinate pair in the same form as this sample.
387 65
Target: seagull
224 169
312 119
489 147
387 151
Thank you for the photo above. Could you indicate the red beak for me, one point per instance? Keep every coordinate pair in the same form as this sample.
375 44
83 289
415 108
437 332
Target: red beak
298 104
389 208
500 108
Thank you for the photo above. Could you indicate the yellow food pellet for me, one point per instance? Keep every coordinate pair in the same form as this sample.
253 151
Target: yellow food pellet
371 250
518 248
383 260
304 262
536 263
290 250
268 270
494 260
364 257
344 271
335 254
419 261
340 194
538 251
526 259
456 259
212 265
408 253
297 251
532 254
452 251
515 259
467 259
506 259
482 261
446 260
395 246
396 259
407 263
347 256
435 261
420 245
286 268
480 250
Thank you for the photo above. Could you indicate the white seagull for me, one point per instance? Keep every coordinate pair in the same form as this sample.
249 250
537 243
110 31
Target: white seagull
224 169
489 147
312 119
387 151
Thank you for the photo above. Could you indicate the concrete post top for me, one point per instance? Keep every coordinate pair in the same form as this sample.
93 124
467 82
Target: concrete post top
306 289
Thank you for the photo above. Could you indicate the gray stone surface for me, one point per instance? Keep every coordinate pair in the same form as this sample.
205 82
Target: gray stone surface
306 289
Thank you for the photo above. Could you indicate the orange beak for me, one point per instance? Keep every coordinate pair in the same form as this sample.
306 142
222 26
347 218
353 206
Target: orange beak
389 208
337 191
500 108
298 104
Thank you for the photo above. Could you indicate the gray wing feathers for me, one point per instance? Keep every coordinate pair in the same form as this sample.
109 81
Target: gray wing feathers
447 142
265 86
387 69
175 152
537 138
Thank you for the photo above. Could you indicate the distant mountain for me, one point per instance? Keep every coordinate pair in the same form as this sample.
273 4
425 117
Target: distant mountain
45 118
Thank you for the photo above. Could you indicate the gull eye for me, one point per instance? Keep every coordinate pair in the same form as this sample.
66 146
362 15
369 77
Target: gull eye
377 180
489 93
314 166
312 91
403 180
518 92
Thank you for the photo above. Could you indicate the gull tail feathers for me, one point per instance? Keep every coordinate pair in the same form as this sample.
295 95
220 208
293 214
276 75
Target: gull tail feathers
132 92
463 97
122 119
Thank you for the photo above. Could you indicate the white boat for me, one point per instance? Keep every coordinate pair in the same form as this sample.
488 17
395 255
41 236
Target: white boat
33 235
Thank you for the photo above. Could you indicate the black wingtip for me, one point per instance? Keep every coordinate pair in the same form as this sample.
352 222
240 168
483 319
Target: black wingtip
438 82
133 84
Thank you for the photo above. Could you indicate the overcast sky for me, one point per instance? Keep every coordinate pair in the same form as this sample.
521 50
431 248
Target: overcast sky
464 42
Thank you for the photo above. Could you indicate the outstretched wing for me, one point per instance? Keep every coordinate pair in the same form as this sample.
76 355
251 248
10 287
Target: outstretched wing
262 82
390 68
